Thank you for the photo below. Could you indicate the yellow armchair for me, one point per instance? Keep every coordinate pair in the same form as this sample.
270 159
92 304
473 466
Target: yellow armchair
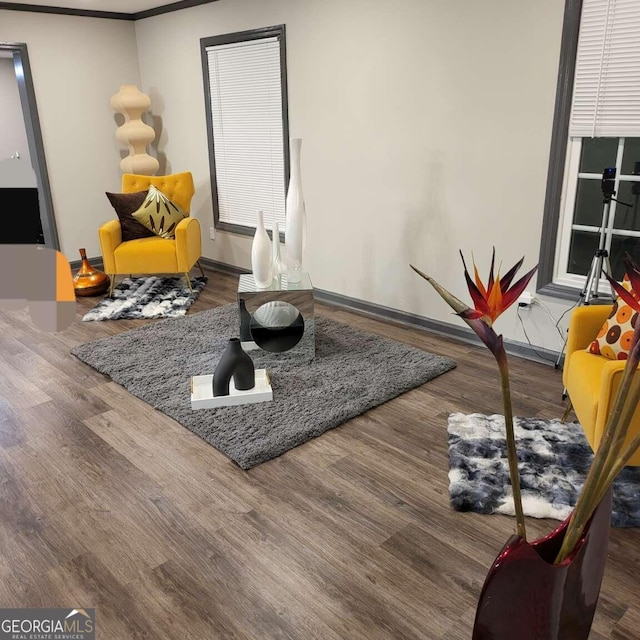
591 381
154 255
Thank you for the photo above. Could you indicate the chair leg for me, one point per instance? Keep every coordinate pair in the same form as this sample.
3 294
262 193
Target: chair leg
565 415
112 284
188 279
200 267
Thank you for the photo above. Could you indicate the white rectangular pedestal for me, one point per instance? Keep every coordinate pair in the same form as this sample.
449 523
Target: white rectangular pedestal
202 392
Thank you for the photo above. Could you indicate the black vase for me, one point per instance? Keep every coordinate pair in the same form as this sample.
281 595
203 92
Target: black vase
245 322
236 364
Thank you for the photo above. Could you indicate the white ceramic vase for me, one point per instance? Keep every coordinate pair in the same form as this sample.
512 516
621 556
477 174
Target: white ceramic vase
135 133
261 255
296 218
276 257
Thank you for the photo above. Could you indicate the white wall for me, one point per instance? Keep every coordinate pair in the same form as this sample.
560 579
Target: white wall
13 135
426 129
77 64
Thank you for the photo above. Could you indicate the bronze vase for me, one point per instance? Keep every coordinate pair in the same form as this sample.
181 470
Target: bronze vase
89 281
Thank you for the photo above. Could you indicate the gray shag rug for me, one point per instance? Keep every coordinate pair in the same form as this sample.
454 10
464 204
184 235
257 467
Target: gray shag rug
147 298
554 460
353 371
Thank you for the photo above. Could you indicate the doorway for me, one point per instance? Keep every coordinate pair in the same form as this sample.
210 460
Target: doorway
45 231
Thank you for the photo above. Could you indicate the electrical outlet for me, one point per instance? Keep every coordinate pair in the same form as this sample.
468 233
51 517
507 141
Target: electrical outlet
212 233
526 299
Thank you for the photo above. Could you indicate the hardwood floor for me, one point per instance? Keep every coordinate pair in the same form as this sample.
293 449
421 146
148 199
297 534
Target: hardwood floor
110 504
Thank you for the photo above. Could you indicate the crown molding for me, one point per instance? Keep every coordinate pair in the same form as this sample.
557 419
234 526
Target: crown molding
111 15
168 8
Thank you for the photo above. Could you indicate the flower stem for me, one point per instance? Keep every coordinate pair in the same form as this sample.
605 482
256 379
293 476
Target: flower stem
512 455
494 343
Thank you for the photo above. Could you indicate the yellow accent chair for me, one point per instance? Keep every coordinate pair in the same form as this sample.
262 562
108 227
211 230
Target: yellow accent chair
154 255
592 381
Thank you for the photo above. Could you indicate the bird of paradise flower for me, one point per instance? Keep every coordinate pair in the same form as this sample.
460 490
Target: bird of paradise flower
490 302
613 452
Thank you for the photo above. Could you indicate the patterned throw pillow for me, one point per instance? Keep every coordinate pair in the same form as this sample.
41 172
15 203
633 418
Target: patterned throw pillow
125 204
159 214
616 334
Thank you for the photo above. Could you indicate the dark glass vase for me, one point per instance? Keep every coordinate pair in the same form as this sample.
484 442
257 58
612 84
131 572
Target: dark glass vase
236 364
526 596
245 322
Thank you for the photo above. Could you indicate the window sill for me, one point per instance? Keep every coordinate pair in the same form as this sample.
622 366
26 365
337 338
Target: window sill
235 228
241 230
563 292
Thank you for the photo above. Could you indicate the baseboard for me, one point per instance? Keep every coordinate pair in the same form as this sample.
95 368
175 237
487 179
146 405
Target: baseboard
205 262
223 267
464 334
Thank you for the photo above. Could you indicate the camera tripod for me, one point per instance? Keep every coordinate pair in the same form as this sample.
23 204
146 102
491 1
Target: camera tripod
600 260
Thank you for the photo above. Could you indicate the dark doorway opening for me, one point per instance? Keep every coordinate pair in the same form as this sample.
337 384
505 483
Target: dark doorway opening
34 206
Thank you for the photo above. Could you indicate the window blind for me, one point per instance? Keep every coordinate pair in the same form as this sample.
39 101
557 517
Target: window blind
606 95
246 108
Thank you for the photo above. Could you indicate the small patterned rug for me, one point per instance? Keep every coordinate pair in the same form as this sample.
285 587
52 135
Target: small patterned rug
554 459
148 297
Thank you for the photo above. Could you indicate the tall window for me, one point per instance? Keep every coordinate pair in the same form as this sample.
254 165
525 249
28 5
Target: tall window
596 127
246 105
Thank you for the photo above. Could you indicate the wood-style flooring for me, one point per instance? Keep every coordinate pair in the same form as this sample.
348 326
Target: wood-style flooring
110 504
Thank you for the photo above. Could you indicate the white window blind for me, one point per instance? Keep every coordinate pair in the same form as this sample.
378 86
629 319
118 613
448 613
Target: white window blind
606 95
246 108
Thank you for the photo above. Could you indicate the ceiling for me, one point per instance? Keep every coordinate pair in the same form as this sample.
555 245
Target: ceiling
112 6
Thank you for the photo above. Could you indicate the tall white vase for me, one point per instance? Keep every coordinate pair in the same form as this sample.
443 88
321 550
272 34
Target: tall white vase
261 257
296 217
276 256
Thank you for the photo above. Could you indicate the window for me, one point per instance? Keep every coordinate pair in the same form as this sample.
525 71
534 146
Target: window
596 126
246 106
584 210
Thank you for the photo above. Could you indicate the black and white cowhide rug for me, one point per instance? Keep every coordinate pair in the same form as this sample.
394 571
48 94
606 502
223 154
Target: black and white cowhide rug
554 460
146 298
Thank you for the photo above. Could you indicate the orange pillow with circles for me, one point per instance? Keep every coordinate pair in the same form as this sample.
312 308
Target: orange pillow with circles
616 334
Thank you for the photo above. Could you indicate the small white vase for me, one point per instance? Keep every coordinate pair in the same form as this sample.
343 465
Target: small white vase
261 257
276 257
296 217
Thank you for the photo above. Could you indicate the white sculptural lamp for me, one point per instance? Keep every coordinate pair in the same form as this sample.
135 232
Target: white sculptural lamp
134 133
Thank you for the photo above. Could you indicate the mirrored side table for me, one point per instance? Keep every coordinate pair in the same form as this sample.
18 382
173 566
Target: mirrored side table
277 322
